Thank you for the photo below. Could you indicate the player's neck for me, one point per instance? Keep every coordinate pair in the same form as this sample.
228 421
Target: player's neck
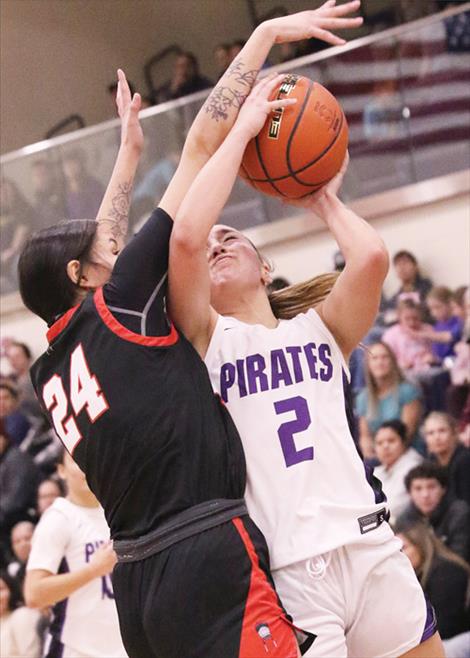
83 499
252 308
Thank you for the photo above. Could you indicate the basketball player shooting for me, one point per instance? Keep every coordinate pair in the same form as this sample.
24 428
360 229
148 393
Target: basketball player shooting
335 561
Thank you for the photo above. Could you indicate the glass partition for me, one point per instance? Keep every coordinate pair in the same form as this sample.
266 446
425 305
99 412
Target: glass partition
405 93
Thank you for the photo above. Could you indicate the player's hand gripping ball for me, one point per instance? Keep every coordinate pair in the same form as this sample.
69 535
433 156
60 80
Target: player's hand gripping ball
300 147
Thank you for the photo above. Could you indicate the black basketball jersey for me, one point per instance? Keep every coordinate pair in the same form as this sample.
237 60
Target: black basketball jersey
137 412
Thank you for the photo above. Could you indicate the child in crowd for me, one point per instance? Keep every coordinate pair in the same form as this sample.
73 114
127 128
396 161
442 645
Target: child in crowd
412 349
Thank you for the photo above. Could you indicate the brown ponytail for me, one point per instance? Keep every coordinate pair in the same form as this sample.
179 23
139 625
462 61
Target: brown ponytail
300 297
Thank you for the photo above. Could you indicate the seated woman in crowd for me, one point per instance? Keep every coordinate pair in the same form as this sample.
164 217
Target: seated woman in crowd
387 396
396 460
442 441
444 577
431 502
458 393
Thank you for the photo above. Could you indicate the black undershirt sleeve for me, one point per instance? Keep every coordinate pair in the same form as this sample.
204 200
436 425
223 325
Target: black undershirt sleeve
137 289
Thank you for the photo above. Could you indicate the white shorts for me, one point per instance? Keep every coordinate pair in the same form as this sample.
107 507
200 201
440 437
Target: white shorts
361 601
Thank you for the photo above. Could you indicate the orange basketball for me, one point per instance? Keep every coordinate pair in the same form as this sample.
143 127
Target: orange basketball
300 147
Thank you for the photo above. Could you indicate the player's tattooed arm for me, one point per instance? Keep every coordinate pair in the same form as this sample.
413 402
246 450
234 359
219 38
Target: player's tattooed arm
113 215
239 82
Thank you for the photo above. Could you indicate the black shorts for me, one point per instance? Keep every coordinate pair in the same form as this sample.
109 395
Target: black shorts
208 596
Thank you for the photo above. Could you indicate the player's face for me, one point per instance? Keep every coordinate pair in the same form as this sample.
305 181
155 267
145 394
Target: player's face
440 438
412 552
426 494
73 476
380 363
388 446
99 265
234 264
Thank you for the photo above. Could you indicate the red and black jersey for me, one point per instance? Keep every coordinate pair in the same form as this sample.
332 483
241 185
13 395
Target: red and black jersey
131 399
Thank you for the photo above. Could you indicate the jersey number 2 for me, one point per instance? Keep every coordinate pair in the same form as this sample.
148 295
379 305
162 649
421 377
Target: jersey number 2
287 430
85 393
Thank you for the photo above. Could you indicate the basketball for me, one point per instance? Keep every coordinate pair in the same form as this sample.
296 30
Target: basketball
300 147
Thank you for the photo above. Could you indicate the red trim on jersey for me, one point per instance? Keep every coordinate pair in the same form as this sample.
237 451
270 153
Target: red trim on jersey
121 331
265 629
61 323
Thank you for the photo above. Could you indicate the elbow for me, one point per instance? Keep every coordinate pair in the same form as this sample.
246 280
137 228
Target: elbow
377 259
184 238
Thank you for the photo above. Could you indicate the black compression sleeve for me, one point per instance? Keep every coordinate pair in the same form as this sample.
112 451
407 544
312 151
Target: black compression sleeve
138 283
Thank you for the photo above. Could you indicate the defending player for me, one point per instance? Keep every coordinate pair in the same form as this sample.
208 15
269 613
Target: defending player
335 560
69 568
132 401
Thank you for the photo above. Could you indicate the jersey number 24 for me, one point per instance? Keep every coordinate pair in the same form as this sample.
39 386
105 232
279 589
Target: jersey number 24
85 393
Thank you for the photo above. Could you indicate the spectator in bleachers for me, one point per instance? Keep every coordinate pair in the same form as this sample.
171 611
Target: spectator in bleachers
387 396
48 491
49 194
222 57
19 480
459 391
395 461
413 286
83 193
444 577
442 440
16 218
20 541
16 423
186 79
413 351
236 46
18 635
20 358
459 302
432 502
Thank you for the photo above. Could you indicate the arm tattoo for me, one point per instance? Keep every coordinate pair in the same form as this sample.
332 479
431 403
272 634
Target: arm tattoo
224 97
118 215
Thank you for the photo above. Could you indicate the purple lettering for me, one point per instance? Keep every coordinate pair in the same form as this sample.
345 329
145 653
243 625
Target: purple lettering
106 587
324 352
89 550
227 379
294 354
287 430
279 369
255 367
309 350
241 378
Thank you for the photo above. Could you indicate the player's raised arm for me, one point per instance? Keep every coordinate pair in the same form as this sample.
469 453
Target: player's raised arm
113 213
352 305
221 108
188 270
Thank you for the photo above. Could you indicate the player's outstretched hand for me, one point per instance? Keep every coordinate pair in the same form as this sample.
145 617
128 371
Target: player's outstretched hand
313 201
103 560
128 108
320 23
257 105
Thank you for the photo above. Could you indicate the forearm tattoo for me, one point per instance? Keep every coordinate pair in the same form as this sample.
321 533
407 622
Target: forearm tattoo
224 97
118 215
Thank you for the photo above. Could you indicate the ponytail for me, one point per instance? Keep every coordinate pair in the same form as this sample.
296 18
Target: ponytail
300 297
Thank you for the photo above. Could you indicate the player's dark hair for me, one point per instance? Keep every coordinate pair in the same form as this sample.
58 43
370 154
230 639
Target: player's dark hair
45 287
397 426
427 471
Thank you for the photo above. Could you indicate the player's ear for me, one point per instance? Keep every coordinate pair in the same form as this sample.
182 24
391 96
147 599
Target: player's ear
73 270
266 275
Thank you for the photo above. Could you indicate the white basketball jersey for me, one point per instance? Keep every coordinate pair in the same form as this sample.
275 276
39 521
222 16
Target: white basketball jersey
64 541
307 488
